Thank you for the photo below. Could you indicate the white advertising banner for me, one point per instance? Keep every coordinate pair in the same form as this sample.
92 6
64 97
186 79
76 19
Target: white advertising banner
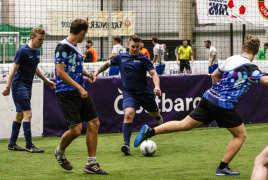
231 11
122 23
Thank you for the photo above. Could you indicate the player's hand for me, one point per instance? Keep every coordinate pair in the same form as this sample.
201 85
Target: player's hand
51 84
83 92
178 62
6 91
192 63
210 65
84 56
157 92
92 77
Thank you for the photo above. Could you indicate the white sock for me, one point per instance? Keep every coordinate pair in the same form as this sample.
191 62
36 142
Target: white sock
59 151
91 160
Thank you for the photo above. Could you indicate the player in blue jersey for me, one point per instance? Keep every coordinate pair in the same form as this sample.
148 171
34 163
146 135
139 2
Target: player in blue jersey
75 103
230 81
133 67
20 81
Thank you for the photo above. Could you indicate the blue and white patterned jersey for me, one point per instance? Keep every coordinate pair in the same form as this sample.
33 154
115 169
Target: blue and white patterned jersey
238 75
71 56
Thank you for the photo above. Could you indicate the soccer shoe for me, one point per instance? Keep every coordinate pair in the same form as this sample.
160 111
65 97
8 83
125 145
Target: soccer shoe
34 149
160 121
15 147
64 163
226 172
125 149
94 169
143 135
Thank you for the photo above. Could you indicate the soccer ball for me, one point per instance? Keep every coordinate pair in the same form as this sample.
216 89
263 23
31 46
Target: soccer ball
148 148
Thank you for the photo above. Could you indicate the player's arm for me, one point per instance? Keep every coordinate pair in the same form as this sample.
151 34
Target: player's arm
215 76
156 81
148 54
112 56
68 80
264 80
212 60
103 67
155 57
12 71
51 84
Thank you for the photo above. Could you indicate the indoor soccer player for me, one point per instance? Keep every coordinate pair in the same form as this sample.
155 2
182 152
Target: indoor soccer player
230 82
75 103
136 92
21 75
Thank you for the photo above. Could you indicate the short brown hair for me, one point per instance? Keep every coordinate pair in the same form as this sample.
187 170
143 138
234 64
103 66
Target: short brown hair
78 25
37 30
251 44
134 38
155 39
117 38
184 40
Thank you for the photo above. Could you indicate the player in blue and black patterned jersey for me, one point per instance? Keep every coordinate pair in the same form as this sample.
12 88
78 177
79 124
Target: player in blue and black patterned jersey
20 80
230 81
75 103
133 67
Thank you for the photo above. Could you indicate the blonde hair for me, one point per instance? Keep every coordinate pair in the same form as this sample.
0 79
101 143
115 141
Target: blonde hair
251 44
37 30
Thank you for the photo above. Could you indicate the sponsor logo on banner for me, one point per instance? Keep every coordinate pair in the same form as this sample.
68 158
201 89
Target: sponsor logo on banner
217 7
262 8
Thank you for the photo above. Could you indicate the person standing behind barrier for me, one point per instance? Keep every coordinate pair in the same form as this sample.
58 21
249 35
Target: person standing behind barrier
143 50
230 81
158 56
212 55
90 52
117 49
74 101
262 52
21 75
166 52
136 92
183 56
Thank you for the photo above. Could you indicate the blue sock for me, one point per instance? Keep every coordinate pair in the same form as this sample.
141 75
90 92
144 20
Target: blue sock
127 130
15 133
27 134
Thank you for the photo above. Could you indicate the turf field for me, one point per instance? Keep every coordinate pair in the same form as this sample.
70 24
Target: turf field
184 155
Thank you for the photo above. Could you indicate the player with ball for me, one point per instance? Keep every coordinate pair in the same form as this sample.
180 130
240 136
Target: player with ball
230 81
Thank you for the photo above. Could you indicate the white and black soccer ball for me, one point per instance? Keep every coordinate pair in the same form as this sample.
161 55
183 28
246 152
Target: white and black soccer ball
148 148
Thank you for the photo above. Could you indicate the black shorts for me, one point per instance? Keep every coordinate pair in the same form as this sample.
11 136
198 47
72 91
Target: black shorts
76 109
207 112
184 63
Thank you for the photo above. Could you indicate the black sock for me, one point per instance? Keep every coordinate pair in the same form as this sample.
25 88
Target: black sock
151 133
223 165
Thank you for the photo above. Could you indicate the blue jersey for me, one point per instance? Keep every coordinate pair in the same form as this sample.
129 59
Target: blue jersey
28 60
71 56
133 72
238 75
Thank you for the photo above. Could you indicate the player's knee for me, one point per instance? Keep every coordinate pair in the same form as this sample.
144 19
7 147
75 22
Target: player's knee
75 132
94 124
259 160
129 116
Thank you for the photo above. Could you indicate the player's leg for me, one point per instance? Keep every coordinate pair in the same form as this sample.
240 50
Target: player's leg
181 66
149 104
260 169
89 115
157 69
162 68
188 67
15 133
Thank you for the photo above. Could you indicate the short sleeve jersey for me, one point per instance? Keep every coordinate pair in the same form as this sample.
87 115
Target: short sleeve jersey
71 56
118 48
159 51
238 75
261 54
184 53
212 52
28 60
133 73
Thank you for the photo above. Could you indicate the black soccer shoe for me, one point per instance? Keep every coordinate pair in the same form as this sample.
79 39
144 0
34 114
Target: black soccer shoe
34 149
64 163
94 169
125 149
15 147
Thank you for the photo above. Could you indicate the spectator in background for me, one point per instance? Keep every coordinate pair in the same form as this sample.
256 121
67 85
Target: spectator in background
212 55
166 52
90 52
262 52
117 49
158 56
184 54
143 50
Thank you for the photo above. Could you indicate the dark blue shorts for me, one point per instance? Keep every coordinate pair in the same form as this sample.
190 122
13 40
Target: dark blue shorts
160 69
21 94
146 101
212 68
114 70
